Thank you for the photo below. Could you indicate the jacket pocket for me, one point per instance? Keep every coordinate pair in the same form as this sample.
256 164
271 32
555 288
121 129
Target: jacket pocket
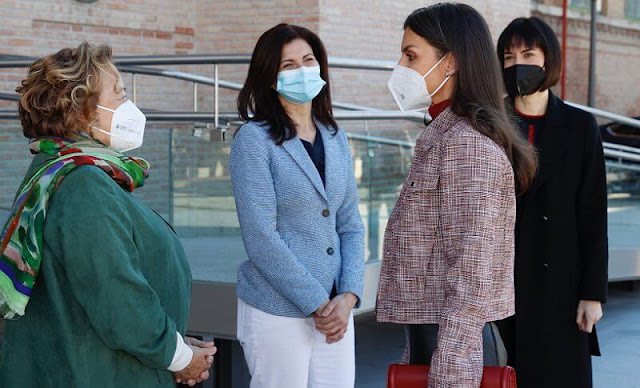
424 174
421 202
416 233
420 181
411 287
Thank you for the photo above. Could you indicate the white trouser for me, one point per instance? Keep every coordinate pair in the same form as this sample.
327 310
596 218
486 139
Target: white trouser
290 352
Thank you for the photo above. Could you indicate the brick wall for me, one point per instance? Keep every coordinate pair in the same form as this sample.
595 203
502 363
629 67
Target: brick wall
349 29
36 28
617 59
233 27
370 29
373 30
135 27
353 29
14 162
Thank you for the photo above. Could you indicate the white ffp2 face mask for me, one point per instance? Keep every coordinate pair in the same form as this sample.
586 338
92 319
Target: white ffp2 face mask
127 127
410 90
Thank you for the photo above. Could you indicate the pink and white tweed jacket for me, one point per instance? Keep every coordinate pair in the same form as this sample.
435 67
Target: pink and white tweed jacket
449 246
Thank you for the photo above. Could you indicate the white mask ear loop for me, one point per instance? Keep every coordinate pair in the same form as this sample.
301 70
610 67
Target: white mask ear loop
434 67
449 74
105 132
440 87
100 129
105 108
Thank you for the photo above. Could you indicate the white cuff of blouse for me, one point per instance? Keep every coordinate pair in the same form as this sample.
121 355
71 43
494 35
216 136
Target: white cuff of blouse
182 357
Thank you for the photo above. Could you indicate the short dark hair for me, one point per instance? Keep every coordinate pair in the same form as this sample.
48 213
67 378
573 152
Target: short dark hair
258 100
461 30
533 32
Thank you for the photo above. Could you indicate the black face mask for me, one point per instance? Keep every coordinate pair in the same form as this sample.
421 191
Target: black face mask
523 80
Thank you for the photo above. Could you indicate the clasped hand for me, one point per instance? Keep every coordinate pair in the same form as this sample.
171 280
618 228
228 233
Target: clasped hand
198 369
332 317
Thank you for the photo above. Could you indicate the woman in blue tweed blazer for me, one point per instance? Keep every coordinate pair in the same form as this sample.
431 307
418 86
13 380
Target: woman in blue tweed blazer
297 204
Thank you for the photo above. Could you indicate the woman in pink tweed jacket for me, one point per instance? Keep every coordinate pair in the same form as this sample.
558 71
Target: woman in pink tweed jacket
449 245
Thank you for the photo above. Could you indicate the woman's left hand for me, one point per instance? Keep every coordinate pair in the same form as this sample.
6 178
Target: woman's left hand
334 319
196 343
589 313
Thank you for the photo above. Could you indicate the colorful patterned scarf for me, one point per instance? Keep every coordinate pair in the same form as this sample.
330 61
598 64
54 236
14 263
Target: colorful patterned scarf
22 236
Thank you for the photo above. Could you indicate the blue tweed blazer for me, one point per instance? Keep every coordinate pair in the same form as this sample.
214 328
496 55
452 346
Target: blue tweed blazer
300 238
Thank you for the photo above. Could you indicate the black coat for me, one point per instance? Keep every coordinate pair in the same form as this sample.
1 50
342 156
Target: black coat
561 253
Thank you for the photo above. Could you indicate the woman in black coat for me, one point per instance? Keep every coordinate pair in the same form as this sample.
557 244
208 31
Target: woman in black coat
561 226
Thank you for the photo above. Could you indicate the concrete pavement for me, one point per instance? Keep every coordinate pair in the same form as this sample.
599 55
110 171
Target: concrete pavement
378 345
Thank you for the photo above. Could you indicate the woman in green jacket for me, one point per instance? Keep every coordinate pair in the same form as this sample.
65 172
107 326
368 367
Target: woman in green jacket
99 282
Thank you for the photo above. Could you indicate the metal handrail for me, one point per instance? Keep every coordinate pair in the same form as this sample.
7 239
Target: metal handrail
610 150
634 157
619 147
607 115
215 60
623 166
196 79
181 75
381 140
212 59
9 96
127 62
155 116
229 59
209 117
152 60
164 117
199 79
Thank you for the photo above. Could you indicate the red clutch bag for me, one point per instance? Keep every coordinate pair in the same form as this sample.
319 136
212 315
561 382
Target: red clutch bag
417 376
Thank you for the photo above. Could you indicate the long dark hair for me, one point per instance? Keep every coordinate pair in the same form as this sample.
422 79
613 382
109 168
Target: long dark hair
478 93
258 100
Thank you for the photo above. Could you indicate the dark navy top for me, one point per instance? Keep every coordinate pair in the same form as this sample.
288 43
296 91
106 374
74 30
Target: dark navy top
316 153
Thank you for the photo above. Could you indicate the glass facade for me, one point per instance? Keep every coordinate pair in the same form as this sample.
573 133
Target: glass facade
632 9
190 186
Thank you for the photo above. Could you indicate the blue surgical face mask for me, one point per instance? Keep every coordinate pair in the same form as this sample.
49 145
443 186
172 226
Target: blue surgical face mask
300 85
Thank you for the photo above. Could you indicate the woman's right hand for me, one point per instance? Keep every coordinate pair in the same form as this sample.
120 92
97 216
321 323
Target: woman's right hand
334 319
198 369
589 313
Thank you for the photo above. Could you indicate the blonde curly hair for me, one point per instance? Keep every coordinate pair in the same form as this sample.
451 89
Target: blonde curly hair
61 91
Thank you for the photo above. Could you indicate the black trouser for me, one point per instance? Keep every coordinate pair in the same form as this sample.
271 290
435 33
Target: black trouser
422 341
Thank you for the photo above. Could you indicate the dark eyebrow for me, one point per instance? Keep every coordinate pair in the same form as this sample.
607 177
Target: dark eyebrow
407 47
291 60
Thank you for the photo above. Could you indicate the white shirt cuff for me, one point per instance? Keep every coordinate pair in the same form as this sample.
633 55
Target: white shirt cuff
182 357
